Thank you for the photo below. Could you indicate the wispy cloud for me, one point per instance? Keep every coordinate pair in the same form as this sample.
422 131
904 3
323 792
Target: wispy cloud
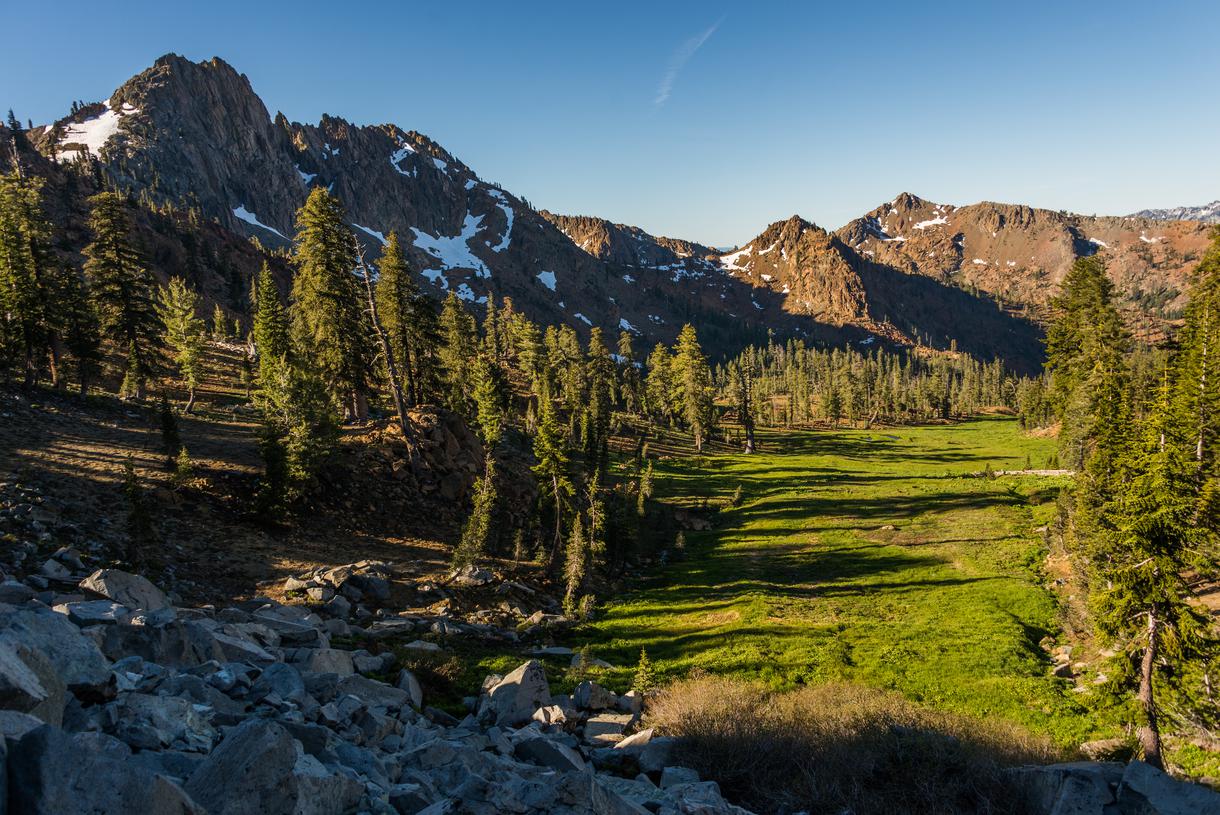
678 61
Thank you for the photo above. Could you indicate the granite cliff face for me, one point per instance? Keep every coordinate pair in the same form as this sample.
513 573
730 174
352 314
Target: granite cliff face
908 273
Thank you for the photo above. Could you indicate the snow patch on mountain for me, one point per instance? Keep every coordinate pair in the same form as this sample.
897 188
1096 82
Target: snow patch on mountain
547 279
372 232
508 215
454 252
249 217
93 133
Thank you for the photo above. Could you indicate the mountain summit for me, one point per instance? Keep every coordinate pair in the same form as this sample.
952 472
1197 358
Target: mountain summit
911 272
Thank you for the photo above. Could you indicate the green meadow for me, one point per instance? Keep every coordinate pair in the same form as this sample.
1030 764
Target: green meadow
874 556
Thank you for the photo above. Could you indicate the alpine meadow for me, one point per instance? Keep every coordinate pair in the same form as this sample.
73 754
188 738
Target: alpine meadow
335 478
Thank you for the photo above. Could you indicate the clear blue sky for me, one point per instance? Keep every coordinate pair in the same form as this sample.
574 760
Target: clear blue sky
707 120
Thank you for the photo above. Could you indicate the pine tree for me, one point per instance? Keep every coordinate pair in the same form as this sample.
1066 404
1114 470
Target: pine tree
644 679
398 299
489 398
76 324
1142 597
477 529
659 386
552 466
693 381
330 325
574 565
270 333
629 385
184 333
457 354
220 324
122 288
1197 374
26 268
140 532
171 439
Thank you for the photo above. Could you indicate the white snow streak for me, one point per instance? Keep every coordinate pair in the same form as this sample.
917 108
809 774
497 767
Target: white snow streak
250 218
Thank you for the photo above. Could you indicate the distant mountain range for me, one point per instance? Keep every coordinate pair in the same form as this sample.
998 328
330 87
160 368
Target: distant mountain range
911 272
1208 213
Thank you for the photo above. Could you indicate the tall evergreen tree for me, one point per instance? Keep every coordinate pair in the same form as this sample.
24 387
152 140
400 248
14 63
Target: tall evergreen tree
329 320
693 380
458 351
552 466
398 301
178 307
122 288
1197 375
1143 601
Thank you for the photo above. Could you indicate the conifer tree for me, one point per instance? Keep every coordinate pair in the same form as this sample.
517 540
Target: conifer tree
122 288
1197 374
600 376
458 350
177 307
742 379
329 321
220 324
1086 347
1141 595
629 384
399 302
27 267
552 466
489 398
76 324
659 386
477 529
693 380
270 332
574 565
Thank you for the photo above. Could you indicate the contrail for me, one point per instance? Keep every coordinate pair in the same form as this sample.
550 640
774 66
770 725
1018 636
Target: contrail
679 60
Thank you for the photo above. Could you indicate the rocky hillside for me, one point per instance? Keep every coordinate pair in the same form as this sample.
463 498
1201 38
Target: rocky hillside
911 272
195 135
1020 254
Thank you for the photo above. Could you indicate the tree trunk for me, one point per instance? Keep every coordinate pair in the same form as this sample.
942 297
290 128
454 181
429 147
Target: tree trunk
558 522
391 366
190 399
1149 733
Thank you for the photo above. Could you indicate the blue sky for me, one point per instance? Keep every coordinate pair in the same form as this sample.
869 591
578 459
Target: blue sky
707 120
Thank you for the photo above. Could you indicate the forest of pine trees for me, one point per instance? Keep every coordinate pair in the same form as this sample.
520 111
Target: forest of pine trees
1141 521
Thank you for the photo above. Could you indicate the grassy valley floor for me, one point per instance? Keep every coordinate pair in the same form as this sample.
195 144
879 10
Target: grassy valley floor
872 556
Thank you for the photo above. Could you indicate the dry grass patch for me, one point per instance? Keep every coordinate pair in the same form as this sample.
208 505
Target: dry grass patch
840 747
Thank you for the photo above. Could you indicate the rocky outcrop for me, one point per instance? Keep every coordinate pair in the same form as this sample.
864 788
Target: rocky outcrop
1110 788
261 715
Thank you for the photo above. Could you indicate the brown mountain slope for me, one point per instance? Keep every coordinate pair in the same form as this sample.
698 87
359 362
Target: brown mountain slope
196 135
1020 254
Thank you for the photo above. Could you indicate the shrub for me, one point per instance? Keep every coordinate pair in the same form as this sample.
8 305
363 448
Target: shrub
841 747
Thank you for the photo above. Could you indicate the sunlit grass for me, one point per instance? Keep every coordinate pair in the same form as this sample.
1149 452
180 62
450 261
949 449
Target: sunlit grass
878 557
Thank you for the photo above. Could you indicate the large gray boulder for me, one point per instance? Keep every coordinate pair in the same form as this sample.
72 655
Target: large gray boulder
74 656
49 773
592 696
259 769
550 753
20 688
1145 790
127 589
513 700
149 722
